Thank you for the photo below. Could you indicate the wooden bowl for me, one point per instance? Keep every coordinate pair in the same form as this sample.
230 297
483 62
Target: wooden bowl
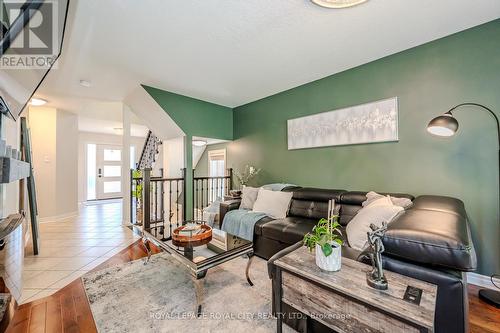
201 238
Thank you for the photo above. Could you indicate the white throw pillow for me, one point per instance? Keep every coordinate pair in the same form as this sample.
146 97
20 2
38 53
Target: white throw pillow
359 226
248 197
273 203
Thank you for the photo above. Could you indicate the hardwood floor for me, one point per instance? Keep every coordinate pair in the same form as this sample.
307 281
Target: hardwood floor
68 309
483 318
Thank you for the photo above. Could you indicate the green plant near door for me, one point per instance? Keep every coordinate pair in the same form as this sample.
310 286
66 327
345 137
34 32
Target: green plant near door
324 234
137 192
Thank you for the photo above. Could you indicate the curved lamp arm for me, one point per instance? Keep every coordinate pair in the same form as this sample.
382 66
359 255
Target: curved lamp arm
484 108
488 295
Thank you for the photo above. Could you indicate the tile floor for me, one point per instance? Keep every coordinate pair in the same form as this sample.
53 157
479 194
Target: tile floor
69 248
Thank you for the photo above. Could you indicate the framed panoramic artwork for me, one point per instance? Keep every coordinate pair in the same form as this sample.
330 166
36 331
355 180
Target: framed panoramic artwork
367 123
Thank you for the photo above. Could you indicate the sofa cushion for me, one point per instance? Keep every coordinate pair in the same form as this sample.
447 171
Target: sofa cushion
289 230
433 232
312 203
258 226
316 194
347 212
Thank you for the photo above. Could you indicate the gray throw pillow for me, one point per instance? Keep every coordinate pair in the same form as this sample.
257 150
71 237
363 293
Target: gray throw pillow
248 197
359 226
401 202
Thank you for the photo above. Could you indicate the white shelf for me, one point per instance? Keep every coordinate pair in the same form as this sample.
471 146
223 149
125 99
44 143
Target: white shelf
12 170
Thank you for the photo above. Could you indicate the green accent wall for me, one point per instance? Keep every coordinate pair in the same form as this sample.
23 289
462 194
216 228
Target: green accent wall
195 117
428 80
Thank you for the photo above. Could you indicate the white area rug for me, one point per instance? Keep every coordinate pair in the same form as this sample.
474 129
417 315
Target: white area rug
160 297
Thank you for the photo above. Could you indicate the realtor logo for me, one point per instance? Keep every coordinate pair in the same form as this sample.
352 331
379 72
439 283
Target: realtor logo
36 45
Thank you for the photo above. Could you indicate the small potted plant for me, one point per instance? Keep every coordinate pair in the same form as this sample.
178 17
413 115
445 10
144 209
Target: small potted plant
248 173
326 239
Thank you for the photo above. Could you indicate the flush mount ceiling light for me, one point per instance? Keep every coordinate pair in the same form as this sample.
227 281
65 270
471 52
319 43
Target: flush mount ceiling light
338 3
38 101
199 143
85 83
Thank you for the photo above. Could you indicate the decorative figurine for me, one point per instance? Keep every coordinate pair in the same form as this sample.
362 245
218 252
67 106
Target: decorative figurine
376 278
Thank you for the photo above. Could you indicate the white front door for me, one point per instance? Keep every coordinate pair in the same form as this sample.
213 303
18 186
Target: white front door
109 172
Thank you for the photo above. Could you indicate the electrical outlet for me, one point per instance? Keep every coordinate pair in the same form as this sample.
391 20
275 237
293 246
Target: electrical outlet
413 295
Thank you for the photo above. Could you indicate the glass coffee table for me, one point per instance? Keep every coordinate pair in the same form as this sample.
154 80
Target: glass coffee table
199 257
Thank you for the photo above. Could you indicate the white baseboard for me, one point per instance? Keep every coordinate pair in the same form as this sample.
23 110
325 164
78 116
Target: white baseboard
482 280
57 218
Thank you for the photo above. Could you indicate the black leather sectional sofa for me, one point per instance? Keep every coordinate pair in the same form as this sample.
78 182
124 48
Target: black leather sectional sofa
431 241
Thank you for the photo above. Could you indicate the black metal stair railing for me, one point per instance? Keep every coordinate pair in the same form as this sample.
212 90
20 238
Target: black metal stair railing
157 203
206 190
149 152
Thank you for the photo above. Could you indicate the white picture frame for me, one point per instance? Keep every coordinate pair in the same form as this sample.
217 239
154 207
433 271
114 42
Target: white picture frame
372 122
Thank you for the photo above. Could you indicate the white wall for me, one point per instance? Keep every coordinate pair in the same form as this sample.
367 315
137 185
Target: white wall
66 163
197 154
54 141
85 138
152 115
43 126
173 157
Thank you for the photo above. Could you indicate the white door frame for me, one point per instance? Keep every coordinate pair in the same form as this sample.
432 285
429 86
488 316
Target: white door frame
216 152
101 179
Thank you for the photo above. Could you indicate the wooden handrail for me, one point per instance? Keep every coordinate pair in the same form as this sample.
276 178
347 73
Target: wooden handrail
159 179
218 177
143 152
165 179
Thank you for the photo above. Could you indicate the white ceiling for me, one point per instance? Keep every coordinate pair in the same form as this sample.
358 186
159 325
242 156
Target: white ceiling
235 52
109 127
96 116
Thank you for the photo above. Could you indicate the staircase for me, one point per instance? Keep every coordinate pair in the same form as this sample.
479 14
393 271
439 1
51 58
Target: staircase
149 152
156 202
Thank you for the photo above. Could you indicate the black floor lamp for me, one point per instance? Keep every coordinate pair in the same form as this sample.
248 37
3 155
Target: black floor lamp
447 125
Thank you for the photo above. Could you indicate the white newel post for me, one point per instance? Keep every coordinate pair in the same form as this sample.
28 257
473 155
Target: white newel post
126 164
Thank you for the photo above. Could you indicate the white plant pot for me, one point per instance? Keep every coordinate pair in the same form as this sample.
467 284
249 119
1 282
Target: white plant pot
331 263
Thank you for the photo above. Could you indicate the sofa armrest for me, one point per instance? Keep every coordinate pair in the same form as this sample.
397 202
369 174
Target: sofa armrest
435 231
227 206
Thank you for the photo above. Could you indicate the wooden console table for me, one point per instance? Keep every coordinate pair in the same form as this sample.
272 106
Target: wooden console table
345 303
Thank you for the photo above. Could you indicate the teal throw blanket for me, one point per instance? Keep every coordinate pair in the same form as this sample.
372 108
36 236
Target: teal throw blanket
241 222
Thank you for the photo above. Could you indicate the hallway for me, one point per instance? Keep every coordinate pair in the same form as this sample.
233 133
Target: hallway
71 247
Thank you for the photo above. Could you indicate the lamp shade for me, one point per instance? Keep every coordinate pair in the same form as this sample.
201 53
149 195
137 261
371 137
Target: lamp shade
444 125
